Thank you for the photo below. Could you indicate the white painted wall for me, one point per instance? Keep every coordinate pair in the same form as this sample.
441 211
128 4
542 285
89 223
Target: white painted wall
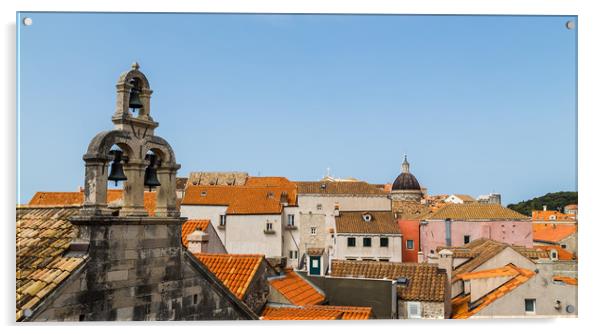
245 235
392 253
206 212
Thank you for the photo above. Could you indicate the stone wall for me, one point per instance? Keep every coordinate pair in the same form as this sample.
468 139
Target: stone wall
259 289
428 310
137 269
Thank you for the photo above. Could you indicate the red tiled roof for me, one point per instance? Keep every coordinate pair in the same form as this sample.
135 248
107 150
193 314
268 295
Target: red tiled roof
426 282
261 199
296 289
190 226
566 280
317 312
563 254
381 222
76 198
549 214
476 211
460 304
236 271
552 232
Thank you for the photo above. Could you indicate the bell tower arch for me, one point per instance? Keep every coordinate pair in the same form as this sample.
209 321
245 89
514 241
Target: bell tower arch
134 135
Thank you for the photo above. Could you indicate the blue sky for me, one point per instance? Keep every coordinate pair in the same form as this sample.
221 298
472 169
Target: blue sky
478 103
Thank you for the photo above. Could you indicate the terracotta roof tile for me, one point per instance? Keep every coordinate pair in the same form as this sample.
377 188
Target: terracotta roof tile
339 188
76 198
476 211
566 280
236 271
461 308
296 289
563 254
426 282
190 226
552 233
262 197
551 215
480 251
381 222
43 236
317 312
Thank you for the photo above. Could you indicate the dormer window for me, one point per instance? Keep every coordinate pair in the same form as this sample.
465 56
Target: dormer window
367 217
203 193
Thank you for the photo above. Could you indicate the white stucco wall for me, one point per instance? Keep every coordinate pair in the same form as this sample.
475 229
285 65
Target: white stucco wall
544 290
392 253
245 235
206 212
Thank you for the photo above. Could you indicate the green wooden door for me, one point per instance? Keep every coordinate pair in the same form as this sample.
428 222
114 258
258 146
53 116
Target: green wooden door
314 265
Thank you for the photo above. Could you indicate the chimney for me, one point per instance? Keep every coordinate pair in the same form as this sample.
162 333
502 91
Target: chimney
284 198
446 262
336 210
195 241
545 208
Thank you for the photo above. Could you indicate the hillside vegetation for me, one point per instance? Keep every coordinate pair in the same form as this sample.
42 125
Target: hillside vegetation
554 201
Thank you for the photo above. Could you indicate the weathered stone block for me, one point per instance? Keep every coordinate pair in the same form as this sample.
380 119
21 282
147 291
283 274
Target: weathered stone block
118 275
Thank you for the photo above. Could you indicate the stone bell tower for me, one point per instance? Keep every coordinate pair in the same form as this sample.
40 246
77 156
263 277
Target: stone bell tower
135 266
135 137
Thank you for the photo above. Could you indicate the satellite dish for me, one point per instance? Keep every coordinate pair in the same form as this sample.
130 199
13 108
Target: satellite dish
570 308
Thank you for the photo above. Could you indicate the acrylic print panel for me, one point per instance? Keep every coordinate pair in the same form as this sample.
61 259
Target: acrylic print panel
295 167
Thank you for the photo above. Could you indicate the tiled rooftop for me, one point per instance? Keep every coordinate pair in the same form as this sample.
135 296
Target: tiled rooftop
460 305
236 271
464 197
317 312
382 222
339 188
551 215
563 254
190 226
296 289
566 280
552 233
426 282
43 236
53 199
258 196
475 211
480 251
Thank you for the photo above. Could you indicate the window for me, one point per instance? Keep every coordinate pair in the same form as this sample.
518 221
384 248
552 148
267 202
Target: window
350 242
312 230
530 306
466 239
291 220
268 226
222 220
414 310
319 207
384 242
383 260
292 254
195 299
409 244
563 245
367 242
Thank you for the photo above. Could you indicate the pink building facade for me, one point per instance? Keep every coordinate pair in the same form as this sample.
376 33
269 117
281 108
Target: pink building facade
455 233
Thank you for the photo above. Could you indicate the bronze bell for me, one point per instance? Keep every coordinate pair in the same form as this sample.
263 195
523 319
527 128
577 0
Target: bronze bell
150 174
116 174
135 102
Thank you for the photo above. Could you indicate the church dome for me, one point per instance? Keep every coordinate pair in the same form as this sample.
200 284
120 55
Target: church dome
405 180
